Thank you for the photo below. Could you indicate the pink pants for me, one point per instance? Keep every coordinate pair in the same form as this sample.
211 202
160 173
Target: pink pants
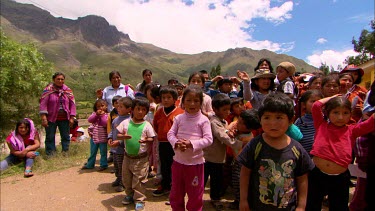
187 179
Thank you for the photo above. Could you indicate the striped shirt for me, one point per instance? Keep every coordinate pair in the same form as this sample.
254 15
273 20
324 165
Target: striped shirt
306 126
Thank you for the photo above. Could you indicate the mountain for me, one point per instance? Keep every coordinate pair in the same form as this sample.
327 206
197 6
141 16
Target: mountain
88 48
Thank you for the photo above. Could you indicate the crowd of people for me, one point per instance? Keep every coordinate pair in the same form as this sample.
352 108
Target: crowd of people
280 139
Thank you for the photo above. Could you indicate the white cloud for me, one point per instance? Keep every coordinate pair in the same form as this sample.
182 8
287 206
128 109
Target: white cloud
182 28
321 41
330 57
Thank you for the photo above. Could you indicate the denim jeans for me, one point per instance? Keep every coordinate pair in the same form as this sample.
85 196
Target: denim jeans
50 136
13 160
93 151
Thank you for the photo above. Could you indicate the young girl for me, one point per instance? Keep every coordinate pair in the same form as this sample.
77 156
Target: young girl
189 134
23 143
305 123
332 151
198 79
98 140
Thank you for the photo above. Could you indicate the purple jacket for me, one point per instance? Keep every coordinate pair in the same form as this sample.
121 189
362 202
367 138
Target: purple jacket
50 105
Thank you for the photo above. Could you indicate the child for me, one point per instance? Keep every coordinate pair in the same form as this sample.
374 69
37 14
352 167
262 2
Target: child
283 81
332 151
81 135
189 135
73 131
23 143
138 134
163 121
274 166
236 107
305 123
98 119
112 115
180 89
199 80
224 85
244 129
124 106
215 154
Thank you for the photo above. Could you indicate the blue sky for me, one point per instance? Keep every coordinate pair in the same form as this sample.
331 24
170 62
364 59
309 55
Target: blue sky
315 31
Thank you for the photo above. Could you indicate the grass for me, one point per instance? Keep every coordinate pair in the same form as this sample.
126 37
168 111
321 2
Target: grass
77 155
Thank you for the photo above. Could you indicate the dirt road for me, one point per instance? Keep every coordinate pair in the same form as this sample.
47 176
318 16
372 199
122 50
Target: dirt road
73 189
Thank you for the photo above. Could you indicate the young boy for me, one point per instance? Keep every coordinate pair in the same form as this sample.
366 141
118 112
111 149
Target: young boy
163 120
123 106
214 155
283 81
225 85
244 129
236 107
112 115
138 135
274 166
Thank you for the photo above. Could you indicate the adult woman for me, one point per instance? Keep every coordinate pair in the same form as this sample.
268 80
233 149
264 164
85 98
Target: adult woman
117 88
23 143
264 63
355 94
57 109
147 79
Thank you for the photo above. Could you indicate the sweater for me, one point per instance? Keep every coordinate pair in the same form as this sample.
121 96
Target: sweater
335 143
99 122
113 134
216 152
193 127
163 122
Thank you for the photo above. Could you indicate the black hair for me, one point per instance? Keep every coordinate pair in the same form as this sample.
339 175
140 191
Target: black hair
344 74
25 122
223 81
97 103
313 78
251 119
198 74
57 74
169 89
141 101
114 72
359 79
126 101
143 84
277 102
260 63
149 86
194 89
220 100
234 101
306 96
335 103
116 98
203 71
254 86
330 77
75 124
155 91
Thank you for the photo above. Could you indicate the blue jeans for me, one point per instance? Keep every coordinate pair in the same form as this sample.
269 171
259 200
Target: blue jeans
93 151
13 160
50 136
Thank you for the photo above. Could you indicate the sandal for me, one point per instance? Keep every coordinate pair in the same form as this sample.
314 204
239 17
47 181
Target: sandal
28 173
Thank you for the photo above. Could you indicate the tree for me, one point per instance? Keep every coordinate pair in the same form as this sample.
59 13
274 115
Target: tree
215 71
365 46
24 74
324 68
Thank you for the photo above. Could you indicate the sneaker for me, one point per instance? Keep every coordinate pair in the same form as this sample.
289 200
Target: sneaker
119 188
102 168
140 205
127 200
168 202
160 192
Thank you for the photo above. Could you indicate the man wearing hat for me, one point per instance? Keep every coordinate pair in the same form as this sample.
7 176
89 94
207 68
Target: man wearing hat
225 85
283 81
